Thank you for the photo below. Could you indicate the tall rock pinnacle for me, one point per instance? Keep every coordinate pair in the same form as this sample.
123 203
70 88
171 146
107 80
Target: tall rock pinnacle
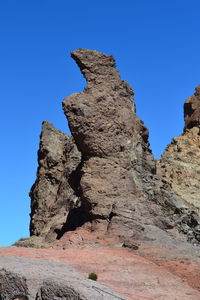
106 130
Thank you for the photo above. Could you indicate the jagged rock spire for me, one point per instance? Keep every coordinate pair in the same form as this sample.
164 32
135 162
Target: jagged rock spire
105 128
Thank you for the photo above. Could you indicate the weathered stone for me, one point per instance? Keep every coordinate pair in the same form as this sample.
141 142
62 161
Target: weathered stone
192 110
11 284
179 164
115 190
109 135
52 195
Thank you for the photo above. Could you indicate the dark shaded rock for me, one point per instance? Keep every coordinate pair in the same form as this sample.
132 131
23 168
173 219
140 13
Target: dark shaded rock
11 284
52 290
52 195
192 110
130 244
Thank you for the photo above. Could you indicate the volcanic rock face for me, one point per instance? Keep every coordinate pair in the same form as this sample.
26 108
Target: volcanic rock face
106 188
52 195
112 140
111 187
179 164
102 125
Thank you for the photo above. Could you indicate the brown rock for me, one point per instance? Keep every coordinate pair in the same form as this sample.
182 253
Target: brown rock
192 110
112 140
113 191
52 195
110 194
121 197
179 167
179 164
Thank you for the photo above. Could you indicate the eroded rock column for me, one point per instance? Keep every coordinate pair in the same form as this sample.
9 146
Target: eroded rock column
110 137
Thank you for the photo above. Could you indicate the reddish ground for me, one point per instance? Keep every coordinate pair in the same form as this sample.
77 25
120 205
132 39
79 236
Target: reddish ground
133 276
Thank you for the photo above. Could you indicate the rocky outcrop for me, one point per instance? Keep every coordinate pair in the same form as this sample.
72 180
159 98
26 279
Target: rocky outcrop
52 195
110 188
121 194
179 164
113 143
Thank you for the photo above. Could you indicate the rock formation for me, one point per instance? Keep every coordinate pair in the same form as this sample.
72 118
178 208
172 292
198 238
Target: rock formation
111 186
52 195
113 142
103 187
179 164
192 110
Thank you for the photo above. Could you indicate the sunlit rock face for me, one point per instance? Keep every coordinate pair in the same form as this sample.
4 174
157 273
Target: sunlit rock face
103 183
112 140
179 164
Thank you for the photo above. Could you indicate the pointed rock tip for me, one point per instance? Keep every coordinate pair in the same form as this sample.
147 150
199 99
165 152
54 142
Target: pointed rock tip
192 110
47 124
197 90
92 59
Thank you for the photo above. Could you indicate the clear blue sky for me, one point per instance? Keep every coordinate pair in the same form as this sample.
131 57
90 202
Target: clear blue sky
157 49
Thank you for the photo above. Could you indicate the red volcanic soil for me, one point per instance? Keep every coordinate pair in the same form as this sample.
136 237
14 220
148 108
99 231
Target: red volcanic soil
132 275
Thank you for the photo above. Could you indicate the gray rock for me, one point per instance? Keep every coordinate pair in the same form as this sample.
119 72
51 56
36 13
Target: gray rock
47 280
